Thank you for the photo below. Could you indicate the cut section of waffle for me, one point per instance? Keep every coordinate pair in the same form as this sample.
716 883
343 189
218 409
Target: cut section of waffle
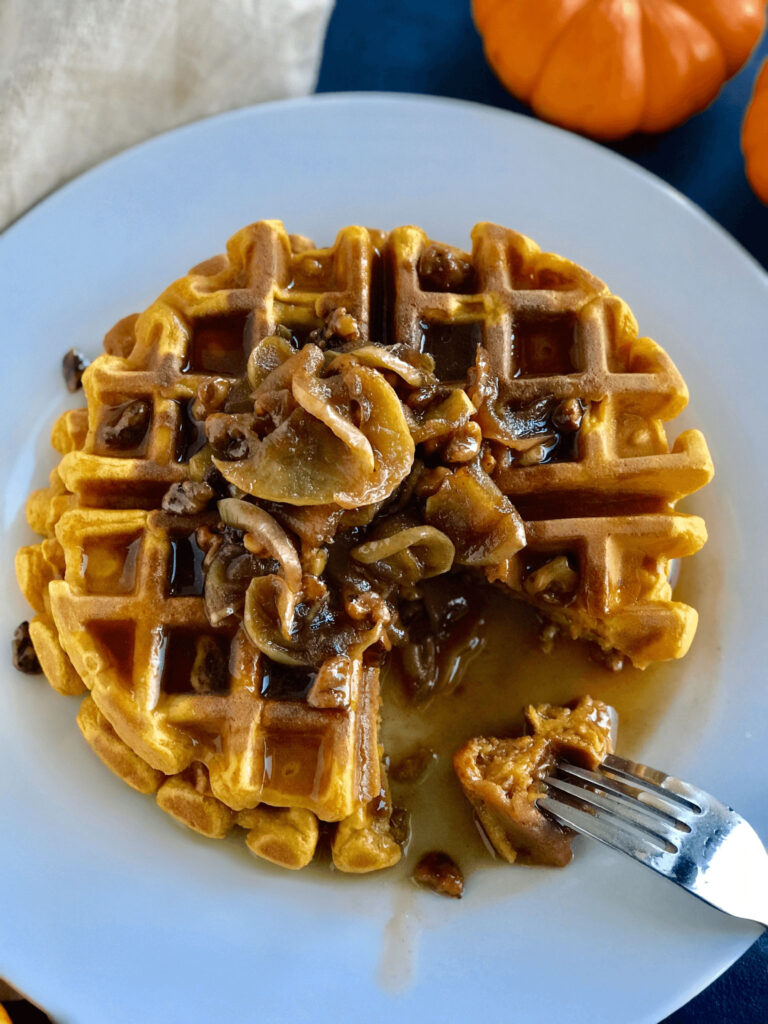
547 405
503 778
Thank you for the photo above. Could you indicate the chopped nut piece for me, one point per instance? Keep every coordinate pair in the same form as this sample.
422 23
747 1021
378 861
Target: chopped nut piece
127 425
444 269
465 443
187 498
24 657
554 582
487 461
227 440
211 396
206 538
440 873
73 366
567 415
342 324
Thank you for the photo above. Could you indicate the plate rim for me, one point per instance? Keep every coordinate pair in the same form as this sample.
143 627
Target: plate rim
405 98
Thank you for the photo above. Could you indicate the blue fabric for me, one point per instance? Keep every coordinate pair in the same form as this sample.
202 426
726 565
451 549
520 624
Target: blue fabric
431 47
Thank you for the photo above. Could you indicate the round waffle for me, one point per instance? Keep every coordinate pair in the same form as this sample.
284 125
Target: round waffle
185 709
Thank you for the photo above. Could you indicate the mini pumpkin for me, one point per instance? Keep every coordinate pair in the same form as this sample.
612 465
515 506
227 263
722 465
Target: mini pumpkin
608 68
754 136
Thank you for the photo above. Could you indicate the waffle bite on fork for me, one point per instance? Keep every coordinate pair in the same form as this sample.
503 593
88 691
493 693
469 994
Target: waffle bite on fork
281 461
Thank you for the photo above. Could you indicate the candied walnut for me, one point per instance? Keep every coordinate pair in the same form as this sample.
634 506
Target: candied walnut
24 657
444 269
465 444
127 424
187 498
207 540
73 365
227 440
210 397
567 415
342 324
339 328
555 582
440 873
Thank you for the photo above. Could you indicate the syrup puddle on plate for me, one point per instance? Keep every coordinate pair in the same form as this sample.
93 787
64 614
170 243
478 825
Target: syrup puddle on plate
509 673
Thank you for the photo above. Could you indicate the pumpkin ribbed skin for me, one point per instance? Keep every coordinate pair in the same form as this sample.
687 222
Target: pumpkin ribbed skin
612 67
754 136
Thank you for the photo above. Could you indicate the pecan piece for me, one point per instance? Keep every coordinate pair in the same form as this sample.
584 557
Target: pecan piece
24 657
73 366
187 498
127 424
440 873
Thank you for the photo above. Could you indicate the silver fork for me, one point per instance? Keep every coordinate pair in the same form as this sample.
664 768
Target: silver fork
668 825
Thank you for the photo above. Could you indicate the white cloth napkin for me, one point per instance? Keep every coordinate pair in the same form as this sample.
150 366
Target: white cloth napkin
82 79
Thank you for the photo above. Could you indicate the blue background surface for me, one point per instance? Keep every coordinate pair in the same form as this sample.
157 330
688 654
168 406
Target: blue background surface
432 47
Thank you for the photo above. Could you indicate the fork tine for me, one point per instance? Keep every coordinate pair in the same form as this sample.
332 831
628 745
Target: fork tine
628 813
627 792
596 826
656 782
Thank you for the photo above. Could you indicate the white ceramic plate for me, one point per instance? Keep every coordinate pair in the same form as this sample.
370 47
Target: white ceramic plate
108 912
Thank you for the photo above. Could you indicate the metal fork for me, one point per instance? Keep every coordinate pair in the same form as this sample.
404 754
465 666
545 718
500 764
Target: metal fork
668 825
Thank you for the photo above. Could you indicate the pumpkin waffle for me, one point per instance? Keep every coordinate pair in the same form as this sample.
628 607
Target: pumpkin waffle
191 711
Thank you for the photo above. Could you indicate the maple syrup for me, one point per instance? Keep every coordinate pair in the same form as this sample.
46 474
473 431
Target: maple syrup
452 346
109 564
220 345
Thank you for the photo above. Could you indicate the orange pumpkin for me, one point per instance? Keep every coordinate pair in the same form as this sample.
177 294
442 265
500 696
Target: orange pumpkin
754 136
612 67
